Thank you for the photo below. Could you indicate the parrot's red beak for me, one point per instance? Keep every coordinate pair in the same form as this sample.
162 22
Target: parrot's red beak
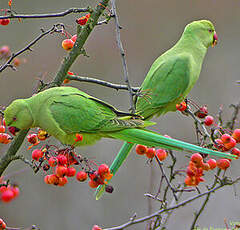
13 130
215 39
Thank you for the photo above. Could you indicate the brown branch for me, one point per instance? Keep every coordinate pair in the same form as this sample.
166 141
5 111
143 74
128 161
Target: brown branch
100 82
55 28
12 14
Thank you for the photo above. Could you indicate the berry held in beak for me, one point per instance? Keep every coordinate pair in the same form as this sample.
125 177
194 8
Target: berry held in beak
215 39
13 130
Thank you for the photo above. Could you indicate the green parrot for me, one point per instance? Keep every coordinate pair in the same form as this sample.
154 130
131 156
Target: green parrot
66 111
170 79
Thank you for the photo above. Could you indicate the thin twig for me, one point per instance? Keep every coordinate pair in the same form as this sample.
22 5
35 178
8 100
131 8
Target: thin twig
48 15
100 82
236 111
124 62
183 203
55 28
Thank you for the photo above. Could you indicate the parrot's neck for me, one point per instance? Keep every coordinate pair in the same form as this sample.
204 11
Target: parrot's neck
191 44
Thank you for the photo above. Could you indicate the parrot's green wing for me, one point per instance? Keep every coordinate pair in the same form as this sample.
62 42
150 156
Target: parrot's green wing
77 113
165 85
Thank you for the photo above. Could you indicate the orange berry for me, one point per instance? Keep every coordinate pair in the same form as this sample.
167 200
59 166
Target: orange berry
81 176
150 153
71 172
66 81
79 137
42 135
103 170
141 149
67 44
52 161
202 112
161 154
223 163
212 163
53 179
62 181
230 144
206 166
16 61
188 181
46 179
61 171
62 160
235 151
32 138
2 129
5 51
93 184
191 171
15 191
182 106
226 138
83 20
236 135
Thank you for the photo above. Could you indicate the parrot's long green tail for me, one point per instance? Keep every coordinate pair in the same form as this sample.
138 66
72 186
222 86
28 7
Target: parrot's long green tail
149 138
118 161
152 139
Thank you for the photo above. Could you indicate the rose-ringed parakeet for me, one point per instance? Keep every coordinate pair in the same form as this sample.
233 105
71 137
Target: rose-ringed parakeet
170 78
66 111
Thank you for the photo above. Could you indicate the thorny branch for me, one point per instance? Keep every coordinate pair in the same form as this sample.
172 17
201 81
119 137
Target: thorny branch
55 28
101 82
12 14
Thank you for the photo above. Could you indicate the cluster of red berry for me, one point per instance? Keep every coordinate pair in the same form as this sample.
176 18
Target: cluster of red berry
5 138
2 224
151 152
6 53
8 192
4 22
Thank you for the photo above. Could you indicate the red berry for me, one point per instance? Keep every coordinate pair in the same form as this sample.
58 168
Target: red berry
141 149
197 158
4 22
236 135
189 181
212 163
74 38
52 179
3 189
71 172
182 106
61 171
62 160
79 137
208 120
2 129
202 112
2 224
205 166
15 191
83 20
16 61
37 154
103 170
62 181
93 184
235 151
32 138
191 171
81 176
219 145
161 154
223 163
226 138
151 153
52 161
46 179
7 196
67 44
96 227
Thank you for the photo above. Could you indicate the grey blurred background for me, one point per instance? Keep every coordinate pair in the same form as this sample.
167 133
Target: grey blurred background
149 28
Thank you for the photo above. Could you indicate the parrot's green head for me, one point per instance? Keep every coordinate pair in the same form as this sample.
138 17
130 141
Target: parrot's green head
202 30
18 116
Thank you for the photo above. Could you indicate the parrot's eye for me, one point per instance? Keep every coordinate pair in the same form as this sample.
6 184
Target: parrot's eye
14 118
210 31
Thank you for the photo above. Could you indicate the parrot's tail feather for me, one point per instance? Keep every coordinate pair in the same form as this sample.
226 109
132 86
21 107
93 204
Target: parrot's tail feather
151 139
118 161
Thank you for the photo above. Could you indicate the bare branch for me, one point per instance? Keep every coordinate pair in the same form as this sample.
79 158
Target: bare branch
100 82
55 28
49 15
124 62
